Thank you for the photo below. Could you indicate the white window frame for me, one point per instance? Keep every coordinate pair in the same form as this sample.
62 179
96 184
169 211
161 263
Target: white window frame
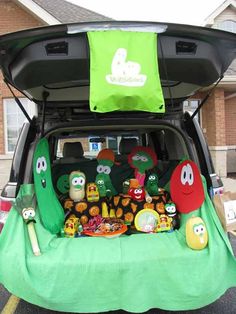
31 110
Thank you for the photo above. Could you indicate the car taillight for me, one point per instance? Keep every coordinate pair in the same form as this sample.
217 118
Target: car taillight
5 206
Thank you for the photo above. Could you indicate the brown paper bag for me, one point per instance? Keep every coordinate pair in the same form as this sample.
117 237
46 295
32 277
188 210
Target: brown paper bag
225 205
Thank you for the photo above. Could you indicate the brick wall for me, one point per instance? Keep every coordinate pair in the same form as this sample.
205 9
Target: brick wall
12 18
213 119
230 115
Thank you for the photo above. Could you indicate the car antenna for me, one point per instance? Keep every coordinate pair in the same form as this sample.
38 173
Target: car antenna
206 97
17 100
45 96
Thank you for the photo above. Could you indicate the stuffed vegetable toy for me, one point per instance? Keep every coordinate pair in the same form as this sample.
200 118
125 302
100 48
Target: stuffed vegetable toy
50 209
77 181
25 205
106 159
142 159
186 187
152 184
196 233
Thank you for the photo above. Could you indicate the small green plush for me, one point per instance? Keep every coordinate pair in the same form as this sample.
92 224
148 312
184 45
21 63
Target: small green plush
50 209
101 185
152 184
63 184
106 160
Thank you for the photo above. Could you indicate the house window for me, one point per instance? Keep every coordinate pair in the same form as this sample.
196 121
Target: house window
14 119
228 25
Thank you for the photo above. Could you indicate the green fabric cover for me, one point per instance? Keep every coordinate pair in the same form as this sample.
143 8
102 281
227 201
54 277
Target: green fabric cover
51 212
134 273
124 72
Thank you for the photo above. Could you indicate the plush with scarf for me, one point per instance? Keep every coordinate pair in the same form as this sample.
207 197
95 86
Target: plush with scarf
142 159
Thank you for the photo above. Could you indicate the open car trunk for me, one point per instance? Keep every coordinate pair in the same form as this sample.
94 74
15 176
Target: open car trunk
136 269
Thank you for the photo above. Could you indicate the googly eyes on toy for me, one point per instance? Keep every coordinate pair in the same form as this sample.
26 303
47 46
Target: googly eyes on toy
140 158
41 164
187 175
78 181
28 213
103 169
199 229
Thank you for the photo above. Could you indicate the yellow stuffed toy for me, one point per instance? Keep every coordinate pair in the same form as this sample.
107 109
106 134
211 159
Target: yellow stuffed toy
196 233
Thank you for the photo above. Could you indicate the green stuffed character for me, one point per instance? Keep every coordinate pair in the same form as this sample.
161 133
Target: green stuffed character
141 159
51 212
106 160
152 184
100 181
63 184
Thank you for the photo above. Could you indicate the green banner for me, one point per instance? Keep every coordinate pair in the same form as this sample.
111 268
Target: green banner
124 72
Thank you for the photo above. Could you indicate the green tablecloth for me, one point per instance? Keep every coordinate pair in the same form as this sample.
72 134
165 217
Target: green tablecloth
134 273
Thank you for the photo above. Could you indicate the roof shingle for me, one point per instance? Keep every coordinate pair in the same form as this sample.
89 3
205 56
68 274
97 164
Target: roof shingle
67 12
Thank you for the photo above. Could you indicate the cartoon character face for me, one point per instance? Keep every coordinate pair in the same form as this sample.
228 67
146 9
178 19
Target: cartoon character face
186 187
141 161
41 167
153 178
196 233
63 184
28 214
137 194
170 209
77 180
142 158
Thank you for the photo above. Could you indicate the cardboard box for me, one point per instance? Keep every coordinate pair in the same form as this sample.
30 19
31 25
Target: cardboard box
225 205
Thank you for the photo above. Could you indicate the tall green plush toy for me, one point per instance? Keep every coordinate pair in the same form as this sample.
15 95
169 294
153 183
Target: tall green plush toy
51 212
106 159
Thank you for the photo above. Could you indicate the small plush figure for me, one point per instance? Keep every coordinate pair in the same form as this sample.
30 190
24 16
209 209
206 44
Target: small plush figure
126 186
103 184
196 233
137 194
77 182
141 159
186 187
92 193
170 210
164 223
106 159
152 184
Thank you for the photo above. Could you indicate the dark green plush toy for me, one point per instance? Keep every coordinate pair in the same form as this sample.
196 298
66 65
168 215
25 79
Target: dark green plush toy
152 184
51 212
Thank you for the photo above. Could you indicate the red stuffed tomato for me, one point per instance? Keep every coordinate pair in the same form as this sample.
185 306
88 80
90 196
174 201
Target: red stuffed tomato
186 187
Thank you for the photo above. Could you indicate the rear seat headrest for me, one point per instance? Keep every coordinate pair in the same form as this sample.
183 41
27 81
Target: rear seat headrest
74 149
127 144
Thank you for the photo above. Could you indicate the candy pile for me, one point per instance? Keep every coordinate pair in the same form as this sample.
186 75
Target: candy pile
103 225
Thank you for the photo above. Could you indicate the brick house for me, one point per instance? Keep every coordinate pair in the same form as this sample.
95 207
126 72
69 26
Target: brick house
219 113
16 15
216 114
